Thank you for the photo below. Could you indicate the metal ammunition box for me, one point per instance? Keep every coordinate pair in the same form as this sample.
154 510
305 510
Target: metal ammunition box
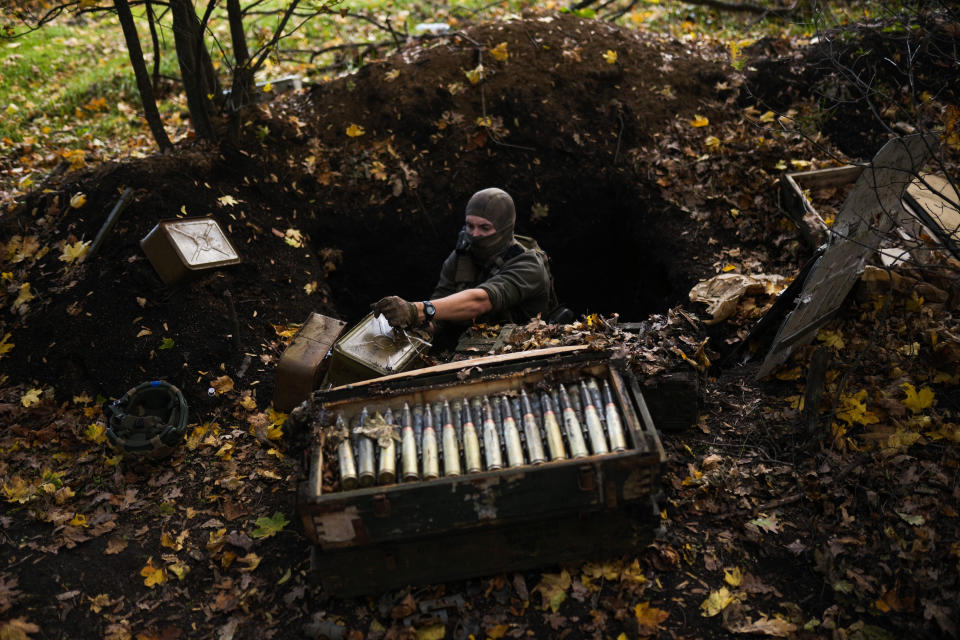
475 524
298 372
178 247
372 349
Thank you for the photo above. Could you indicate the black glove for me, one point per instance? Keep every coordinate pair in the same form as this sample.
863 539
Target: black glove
398 312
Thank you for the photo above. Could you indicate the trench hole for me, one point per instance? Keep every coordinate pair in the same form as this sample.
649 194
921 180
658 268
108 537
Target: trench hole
610 253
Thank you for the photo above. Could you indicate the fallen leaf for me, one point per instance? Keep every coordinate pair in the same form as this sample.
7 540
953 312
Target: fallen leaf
774 627
17 629
227 200
78 200
916 521
23 297
733 577
294 238
152 575
716 602
75 251
649 618
610 56
267 527
222 385
917 401
553 589
699 121
355 130
433 632
500 52
166 343
31 398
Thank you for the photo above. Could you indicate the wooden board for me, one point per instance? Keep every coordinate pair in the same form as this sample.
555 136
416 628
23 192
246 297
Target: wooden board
869 212
484 551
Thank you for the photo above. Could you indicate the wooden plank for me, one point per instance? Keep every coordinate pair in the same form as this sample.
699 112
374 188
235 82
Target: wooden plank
466 364
484 551
869 212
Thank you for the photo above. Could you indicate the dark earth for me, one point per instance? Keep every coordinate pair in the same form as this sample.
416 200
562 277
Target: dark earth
634 207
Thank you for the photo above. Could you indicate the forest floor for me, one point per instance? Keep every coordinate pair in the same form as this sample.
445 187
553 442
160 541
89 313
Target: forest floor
642 164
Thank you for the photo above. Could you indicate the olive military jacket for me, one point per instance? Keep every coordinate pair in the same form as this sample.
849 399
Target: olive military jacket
517 281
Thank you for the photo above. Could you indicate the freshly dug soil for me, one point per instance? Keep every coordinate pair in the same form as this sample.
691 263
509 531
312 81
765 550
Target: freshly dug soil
571 136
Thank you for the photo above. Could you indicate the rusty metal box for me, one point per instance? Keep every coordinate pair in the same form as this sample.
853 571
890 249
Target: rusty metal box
180 246
382 537
298 372
372 349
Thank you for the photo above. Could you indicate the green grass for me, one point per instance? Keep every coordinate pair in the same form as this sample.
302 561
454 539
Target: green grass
69 86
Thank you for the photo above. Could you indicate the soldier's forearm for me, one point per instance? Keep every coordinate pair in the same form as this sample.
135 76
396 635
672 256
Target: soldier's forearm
462 306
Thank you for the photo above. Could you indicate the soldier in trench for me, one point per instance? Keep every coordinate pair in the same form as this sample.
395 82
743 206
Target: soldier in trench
489 277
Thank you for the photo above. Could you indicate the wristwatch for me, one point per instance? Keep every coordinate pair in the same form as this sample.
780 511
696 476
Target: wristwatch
428 311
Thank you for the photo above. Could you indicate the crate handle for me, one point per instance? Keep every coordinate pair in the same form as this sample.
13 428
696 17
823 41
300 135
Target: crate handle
586 479
381 506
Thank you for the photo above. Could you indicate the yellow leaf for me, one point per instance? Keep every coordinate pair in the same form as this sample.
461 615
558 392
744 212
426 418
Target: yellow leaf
355 130
75 251
178 569
768 116
716 602
267 88
433 632
152 575
699 121
225 452
800 164
733 577
79 520
18 491
915 303
144 332
96 433
649 618
31 398
252 561
4 345
917 401
790 374
390 76
310 287
275 432
498 631
227 200
833 339
17 628
553 589
712 143
248 403
475 75
78 200
222 385
293 237
500 52
610 56
24 297
193 440
853 409
729 267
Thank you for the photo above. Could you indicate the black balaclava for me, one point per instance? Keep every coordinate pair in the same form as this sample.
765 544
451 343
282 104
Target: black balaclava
494 205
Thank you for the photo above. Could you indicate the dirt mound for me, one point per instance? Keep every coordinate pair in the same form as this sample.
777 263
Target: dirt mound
373 171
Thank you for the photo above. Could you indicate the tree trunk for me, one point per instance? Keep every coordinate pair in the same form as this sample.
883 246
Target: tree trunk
196 68
155 40
242 89
143 76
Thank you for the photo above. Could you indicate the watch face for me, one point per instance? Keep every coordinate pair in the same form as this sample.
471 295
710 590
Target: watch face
429 310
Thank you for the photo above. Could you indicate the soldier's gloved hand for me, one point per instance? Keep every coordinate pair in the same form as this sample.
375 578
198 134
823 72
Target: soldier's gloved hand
398 312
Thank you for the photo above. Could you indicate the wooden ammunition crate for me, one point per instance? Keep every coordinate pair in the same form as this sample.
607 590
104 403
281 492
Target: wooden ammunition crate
384 537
